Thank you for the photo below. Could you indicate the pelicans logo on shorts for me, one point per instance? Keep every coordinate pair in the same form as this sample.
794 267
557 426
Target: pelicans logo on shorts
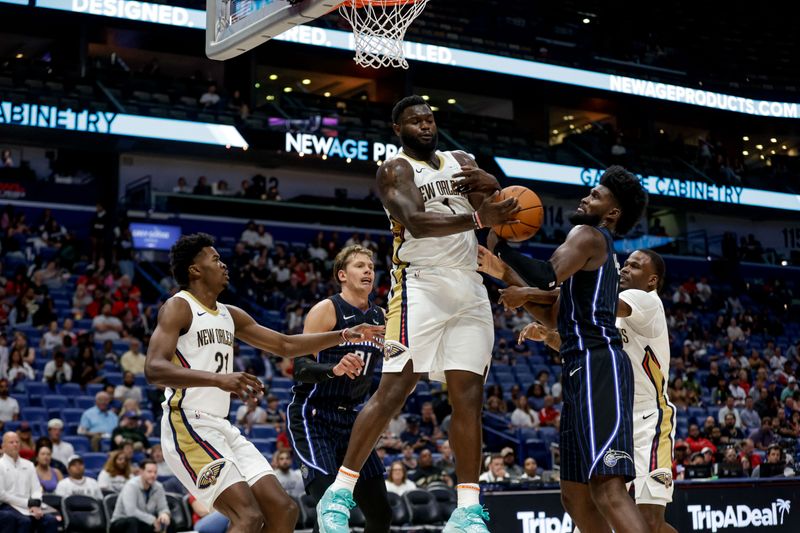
665 478
612 457
210 475
392 349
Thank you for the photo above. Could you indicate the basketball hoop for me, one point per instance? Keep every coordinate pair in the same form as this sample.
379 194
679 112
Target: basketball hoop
379 27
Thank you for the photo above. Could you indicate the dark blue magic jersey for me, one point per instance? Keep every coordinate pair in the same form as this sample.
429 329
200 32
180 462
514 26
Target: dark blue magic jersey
588 309
343 391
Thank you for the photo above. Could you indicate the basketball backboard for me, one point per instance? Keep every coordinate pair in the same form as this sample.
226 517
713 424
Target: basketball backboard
236 26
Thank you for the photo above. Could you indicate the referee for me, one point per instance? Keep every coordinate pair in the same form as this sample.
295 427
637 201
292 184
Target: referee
330 386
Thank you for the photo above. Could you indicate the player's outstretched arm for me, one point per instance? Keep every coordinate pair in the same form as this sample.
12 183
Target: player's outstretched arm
322 318
584 245
254 334
402 199
175 317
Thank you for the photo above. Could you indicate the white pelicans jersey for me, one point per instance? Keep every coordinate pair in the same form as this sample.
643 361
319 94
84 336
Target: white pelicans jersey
646 341
208 345
459 250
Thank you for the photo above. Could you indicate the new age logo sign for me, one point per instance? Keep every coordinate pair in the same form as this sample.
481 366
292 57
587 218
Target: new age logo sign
306 143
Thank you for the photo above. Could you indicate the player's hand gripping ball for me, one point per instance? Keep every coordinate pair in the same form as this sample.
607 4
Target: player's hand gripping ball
530 215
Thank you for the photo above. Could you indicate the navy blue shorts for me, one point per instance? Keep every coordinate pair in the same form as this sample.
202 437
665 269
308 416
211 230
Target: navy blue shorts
597 418
320 438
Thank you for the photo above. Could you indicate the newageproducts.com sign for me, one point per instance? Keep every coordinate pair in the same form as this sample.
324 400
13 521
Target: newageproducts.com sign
768 506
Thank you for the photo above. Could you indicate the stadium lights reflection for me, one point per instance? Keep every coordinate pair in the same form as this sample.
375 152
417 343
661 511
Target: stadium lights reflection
287 89
745 138
426 97
349 159
759 146
326 94
745 152
451 101
773 140
783 147
273 77
784 263
20 55
270 97
306 81
586 20
258 85
324 157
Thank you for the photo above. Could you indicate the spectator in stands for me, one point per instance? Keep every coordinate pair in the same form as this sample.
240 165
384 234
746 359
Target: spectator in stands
202 187
250 234
27 446
496 472
106 326
48 476
730 433
414 436
99 233
128 388
210 99
133 360
85 369
57 370
80 299
142 504
123 301
774 459
530 470
132 406
52 338
790 389
273 192
62 450
18 370
409 458
428 425
6 161
205 521
9 407
116 472
764 437
77 482
680 459
290 478
182 187
524 416
510 462
20 492
273 413
397 481
25 349
250 413
447 461
20 315
749 417
129 430
263 239
549 415
427 473
729 409
99 421
696 441
735 332
157 455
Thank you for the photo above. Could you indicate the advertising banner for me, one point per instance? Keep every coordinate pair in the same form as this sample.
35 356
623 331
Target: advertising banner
703 507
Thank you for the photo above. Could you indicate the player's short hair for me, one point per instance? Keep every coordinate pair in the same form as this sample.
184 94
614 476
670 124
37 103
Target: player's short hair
629 194
183 253
658 265
344 256
405 103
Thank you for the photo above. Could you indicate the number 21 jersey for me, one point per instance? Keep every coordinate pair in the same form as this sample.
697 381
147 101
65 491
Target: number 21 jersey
207 345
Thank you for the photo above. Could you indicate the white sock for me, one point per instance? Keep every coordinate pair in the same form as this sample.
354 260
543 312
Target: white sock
468 494
345 479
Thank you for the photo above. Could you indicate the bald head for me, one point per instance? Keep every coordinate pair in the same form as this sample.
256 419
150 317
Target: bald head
11 444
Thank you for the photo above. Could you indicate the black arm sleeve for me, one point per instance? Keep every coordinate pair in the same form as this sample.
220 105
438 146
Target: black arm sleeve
308 370
536 273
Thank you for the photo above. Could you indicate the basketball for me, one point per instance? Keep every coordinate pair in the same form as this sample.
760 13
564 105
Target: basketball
530 215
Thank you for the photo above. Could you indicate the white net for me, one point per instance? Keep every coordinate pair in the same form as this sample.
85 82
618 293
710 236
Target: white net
379 27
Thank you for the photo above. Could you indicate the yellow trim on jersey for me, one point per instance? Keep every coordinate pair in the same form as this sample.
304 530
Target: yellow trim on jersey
667 413
394 315
188 447
198 302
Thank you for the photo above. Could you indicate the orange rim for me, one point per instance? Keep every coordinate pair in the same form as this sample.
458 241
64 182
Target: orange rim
379 3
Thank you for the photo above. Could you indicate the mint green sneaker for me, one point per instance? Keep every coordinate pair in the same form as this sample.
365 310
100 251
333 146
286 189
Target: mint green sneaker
333 511
470 519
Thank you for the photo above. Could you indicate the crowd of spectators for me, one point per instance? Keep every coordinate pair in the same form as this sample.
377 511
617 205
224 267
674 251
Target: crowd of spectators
732 379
